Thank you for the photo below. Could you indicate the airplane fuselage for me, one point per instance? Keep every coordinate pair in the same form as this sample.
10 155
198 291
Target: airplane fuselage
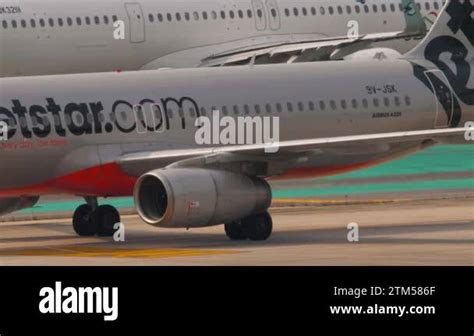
67 132
51 37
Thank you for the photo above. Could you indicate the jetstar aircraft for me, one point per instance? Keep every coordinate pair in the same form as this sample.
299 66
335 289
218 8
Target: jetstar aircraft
84 135
64 37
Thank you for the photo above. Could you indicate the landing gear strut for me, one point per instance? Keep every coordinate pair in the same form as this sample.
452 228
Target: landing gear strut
255 227
90 219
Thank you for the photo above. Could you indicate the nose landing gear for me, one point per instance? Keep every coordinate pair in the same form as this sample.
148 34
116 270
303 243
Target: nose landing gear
90 219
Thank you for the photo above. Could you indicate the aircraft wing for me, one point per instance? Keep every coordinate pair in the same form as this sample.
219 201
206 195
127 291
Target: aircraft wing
138 163
320 50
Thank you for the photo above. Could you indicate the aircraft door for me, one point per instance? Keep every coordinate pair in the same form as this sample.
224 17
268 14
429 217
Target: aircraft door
259 14
136 22
444 96
273 13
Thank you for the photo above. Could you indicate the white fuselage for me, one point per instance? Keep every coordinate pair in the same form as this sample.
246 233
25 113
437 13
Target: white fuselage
56 37
68 124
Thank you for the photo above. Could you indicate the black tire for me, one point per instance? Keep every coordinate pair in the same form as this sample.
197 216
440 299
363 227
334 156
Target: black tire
106 216
82 222
258 227
234 231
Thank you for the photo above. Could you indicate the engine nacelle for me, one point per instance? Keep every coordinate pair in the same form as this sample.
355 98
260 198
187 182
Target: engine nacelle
8 205
193 197
376 54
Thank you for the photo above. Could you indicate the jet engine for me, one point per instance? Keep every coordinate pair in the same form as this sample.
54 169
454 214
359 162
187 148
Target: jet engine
193 197
8 205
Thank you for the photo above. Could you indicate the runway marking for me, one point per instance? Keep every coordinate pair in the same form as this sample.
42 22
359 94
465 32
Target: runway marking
327 201
89 252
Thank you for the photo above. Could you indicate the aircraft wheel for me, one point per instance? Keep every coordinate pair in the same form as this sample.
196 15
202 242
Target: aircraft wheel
234 231
82 221
106 216
258 227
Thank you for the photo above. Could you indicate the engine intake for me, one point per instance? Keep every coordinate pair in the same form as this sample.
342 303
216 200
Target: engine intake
192 197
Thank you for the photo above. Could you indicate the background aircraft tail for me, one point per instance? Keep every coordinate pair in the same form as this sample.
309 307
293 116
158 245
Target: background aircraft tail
454 29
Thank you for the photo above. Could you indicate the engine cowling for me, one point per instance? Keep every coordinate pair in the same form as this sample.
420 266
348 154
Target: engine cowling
8 205
193 197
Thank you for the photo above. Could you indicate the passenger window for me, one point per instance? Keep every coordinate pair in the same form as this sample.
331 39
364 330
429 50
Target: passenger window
349 10
331 10
268 108
69 21
397 101
96 20
222 14
322 105
375 8
386 102
339 10
332 103
169 17
384 8
304 11
311 106
343 104
78 21
313 11
151 18
300 107
246 109
357 9
5 24
88 21
236 110
32 23
376 102
178 17
14 24
355 104
203 111
407 101
187 17
257 109
225 111
231 14
51 22
295 11
322 10
365 103
160 17
204 15
23 23
287 12
214 15
41 21
106 19
241 14
249 13
279 108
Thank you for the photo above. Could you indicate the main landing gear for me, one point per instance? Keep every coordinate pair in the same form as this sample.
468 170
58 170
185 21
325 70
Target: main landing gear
255 227
90 219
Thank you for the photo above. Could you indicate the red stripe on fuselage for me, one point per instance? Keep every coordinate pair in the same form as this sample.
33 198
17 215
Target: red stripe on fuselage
105 180
110 180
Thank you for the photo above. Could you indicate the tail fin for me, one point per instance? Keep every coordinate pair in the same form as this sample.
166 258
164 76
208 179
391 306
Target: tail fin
455 25
413 18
